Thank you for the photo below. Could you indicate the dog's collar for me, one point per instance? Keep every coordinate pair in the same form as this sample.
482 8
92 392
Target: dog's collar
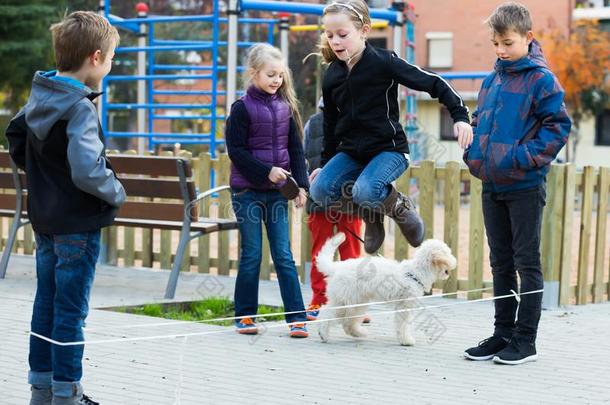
412 277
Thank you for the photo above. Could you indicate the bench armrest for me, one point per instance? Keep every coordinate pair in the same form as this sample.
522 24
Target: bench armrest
209 193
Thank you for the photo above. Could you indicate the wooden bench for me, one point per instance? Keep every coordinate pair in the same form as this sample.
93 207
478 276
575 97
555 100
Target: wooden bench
146 180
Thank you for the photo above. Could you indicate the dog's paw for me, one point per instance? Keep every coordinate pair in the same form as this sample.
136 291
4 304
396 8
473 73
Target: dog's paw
407 340
357 332
323 337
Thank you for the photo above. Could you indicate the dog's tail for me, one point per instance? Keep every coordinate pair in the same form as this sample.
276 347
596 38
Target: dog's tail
325 260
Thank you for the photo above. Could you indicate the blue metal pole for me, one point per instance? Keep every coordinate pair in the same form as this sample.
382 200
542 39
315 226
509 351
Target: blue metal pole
150 96
308 8
215 38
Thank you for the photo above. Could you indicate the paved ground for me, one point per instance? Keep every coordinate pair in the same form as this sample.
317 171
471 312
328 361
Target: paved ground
225 368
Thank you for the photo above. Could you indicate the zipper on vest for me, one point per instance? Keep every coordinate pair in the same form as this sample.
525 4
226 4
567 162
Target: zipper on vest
273 133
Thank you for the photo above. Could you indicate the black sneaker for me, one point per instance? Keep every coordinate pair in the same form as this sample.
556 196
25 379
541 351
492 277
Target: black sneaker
519 351
486 349
85 400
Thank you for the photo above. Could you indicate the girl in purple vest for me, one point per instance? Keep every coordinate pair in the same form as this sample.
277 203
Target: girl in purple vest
365 147
264 142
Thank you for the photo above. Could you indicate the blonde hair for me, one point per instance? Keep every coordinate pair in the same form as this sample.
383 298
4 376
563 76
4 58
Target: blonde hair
258 56
356 10
78 36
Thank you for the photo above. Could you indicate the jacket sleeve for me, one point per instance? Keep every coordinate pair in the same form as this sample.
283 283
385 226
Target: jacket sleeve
330 122
419 79
298 164
16 134
554 126
88 167
474 123
236 137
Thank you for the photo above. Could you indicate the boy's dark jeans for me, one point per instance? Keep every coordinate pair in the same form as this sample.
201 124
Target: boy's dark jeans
512 222
65 267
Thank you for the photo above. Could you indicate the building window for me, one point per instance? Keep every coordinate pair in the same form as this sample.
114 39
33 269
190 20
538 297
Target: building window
602 136
446 125
440 49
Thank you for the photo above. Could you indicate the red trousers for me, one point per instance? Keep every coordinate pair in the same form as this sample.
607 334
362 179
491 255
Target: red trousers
322 228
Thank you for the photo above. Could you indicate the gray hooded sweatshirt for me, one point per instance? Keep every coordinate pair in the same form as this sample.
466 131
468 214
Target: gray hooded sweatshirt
56 138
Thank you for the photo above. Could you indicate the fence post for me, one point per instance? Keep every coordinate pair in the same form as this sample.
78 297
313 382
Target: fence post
476 239
588 182
552 231
203 183
186 257
600 241
109 246
401 247
165 245
224 202
305 265
426 196
566 244
129 236
452 219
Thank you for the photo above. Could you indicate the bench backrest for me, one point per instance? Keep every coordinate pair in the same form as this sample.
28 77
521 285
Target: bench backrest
155 177
153 185
8 200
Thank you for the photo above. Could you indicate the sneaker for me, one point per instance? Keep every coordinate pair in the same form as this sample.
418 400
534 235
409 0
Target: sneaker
518 351
366 319
298 330
486 349
246 326
85 400
312 312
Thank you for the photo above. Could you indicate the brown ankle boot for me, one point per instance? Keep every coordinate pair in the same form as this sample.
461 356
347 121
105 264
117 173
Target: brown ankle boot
374 232
402 210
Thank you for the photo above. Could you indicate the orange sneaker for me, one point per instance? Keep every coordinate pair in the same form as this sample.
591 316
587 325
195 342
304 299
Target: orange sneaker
246 326
366 319
312 312
298 330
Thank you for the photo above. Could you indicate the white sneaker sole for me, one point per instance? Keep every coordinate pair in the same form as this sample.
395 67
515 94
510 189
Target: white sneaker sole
527 359
480 358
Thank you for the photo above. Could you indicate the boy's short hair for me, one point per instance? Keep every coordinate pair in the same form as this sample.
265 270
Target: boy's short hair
79 35
510 15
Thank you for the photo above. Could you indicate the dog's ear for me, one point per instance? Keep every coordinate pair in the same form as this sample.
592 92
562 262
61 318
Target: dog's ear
440 260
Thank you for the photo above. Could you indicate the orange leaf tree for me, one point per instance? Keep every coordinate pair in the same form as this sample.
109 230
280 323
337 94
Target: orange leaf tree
581 62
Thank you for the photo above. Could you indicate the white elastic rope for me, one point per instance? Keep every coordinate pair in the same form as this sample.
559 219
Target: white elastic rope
279 324
234 318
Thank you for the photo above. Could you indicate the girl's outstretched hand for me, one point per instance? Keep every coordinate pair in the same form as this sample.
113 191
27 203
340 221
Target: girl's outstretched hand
313 175
463 132
299 202
277 174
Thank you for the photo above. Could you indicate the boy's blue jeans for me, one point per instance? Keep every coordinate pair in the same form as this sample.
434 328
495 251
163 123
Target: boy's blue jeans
65 267
368 184
253 209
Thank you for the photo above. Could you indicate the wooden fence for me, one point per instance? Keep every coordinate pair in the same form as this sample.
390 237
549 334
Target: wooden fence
574 244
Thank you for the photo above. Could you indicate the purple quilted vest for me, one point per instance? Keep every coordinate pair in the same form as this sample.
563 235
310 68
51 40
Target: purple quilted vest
267 134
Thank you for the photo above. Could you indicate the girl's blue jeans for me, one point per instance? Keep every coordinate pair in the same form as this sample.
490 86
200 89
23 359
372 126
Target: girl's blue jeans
367 184
253 209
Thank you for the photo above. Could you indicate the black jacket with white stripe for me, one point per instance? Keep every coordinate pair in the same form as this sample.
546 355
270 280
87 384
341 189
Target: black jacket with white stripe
361 114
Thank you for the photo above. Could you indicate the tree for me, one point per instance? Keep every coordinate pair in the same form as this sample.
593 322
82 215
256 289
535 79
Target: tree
26 43
581 62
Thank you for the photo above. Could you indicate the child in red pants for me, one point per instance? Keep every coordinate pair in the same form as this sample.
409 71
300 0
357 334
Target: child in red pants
322 224
322 227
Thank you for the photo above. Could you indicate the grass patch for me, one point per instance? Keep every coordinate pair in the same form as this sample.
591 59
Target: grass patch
203 310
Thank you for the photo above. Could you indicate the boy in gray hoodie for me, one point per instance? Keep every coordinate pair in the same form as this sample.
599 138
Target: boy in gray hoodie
72 193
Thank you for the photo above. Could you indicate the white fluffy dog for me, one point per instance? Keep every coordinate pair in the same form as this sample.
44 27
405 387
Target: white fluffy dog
367 279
